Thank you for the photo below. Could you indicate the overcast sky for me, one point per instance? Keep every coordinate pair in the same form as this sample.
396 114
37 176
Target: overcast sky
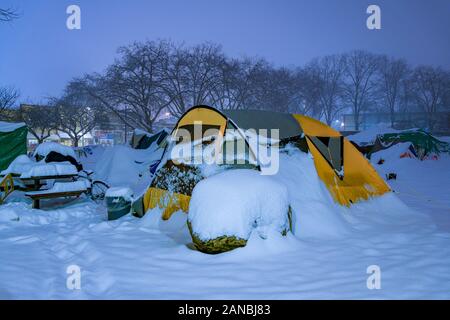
38 54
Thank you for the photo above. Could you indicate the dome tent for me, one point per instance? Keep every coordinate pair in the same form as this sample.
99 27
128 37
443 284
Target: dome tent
346 173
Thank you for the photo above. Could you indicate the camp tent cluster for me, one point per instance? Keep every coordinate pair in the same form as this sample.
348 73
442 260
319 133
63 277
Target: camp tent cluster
348 176
422 144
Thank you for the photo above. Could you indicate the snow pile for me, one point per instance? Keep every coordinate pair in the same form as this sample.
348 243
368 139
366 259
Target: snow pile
8 215
121 192
46 147
10 126
234 202
369 136
397 151
50 169
21 164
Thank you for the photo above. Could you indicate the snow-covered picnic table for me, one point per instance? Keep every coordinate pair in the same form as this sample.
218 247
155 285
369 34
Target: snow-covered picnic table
48 171
23 170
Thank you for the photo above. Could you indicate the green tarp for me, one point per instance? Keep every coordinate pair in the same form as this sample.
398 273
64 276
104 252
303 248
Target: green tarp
424 143
13 142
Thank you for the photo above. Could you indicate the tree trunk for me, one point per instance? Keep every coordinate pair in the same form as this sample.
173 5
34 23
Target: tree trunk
75 141
356 120
392 118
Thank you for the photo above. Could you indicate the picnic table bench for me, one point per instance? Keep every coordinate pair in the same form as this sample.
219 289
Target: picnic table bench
36 196
37 179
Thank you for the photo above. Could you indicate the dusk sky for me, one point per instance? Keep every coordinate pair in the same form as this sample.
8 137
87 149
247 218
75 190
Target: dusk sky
38 54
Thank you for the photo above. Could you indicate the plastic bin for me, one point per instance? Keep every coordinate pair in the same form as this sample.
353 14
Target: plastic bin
118 202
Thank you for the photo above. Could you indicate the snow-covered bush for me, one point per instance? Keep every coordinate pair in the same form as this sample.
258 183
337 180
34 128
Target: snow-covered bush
227 207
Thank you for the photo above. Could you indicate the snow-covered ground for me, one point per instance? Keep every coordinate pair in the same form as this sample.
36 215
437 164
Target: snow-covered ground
405 233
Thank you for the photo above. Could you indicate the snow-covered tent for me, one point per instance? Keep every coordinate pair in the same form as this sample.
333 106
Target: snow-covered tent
346 173
422 144
13 142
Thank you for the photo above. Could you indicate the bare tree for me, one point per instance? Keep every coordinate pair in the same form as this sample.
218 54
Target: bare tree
191 75
431 88
42 120
393 74
131 86
77 113
8 98
328 72
359 87
8 14
306 96
241 84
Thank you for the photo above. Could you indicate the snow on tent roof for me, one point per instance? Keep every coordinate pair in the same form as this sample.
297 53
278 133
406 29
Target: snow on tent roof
45 148
10 126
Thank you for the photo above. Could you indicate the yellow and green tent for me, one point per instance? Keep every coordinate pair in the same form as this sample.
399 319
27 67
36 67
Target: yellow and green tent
346 173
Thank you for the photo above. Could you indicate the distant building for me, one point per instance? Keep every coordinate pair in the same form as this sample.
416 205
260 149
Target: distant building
405 120
110 131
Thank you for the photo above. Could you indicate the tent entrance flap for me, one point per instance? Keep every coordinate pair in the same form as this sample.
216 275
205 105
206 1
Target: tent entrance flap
332 149
357 179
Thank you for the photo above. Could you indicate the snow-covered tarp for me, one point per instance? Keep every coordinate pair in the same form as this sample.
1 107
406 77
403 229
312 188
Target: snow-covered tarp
123 166
13 142
10 126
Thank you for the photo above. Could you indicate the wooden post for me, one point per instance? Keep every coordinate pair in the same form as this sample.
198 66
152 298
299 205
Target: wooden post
36 184
36 203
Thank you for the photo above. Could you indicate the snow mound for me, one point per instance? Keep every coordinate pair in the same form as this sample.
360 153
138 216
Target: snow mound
396 151
45 148
315 213
50 169
21 164
234 202
8 215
